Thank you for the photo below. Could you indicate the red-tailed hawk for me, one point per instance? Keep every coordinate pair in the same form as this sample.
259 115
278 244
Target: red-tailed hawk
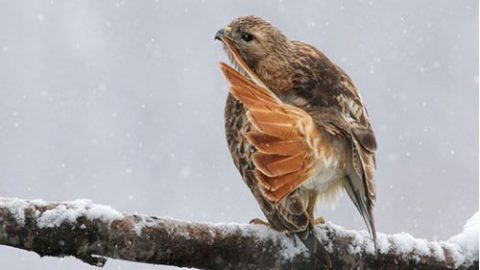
296 127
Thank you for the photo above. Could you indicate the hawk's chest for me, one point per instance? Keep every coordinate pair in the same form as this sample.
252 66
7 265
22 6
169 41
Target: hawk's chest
328 171
331 157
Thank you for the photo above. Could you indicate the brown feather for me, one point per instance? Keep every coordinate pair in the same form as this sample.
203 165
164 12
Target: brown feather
240 82
274 183
282 191
271 116
292 130
273 145
276 165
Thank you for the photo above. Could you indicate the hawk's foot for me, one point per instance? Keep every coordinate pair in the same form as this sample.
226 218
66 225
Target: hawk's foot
319 220
258 221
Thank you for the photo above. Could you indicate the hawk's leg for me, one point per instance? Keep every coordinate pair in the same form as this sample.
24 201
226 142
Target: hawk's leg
312 201
258 221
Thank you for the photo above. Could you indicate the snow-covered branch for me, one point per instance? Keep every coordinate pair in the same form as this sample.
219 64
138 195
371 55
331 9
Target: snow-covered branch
92 232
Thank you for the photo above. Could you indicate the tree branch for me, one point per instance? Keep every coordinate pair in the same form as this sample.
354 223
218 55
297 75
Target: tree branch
92 232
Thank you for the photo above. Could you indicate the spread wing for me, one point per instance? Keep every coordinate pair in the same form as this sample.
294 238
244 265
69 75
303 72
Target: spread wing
287 141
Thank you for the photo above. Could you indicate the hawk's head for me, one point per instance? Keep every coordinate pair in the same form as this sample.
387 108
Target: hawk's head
253 38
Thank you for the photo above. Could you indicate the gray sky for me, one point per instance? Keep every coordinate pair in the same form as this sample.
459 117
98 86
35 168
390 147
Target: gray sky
122 102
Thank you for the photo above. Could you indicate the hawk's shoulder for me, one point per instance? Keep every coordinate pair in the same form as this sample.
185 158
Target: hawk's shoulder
328 94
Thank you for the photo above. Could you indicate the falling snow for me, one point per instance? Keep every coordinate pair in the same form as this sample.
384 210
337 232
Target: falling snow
122 102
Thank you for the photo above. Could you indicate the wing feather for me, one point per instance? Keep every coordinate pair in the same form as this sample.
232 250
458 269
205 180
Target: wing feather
285 137
275 165
360 177
276 146
360 184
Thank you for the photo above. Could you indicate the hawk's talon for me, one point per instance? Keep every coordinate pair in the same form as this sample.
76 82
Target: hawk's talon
319 221
258 221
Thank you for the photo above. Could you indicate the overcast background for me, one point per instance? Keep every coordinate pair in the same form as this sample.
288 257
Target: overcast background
122 102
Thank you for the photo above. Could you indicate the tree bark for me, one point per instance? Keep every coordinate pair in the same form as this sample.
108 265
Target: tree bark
93 232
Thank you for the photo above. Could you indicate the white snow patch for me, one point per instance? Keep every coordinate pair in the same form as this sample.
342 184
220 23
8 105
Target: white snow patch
463 248
360 240
405 244
437 251
17 207
71 210
39 202
143 221
289 247
467 241
383 245
402 243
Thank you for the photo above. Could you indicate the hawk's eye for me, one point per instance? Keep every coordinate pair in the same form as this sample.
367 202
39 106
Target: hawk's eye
247 37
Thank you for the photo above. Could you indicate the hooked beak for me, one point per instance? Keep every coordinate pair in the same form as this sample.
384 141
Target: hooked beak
223 33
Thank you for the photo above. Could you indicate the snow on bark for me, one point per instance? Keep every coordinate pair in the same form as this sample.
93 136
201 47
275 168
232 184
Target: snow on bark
91 232
467 242
58 214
